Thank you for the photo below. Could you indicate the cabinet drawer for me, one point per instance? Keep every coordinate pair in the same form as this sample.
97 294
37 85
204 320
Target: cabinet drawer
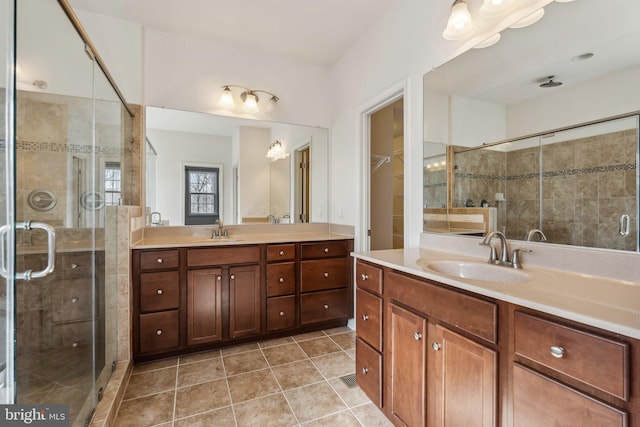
159 291
369 318
473 315
223 255
281 313
159 331
323 274
155 260
322 306
281 252
594 360
369 277
540 401
281 279
76 265
329 249
369 371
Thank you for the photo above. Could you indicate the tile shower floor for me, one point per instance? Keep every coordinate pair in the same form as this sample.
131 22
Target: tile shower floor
283 382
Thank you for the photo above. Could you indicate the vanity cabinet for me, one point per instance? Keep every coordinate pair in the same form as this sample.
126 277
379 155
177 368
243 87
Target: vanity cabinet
281 286
204 306
245 308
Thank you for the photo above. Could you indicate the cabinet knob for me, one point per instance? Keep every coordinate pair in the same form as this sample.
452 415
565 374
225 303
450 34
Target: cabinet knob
281 313
159 261
364 277
74 265
326 274
74 300
233 277
74 345
159 332
557 351
435 346
365 317
281 253
326 306
365 371
281 280
326 250
219 278
159 292
417 336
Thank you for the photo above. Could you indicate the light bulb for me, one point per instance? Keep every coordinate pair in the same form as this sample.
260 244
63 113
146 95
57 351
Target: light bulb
460 23
226 99
529 20
491 8
251 103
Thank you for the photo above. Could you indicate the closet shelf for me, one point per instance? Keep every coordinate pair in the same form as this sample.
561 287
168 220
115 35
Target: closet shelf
377 161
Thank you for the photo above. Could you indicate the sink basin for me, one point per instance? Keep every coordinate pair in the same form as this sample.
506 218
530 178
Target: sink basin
478 271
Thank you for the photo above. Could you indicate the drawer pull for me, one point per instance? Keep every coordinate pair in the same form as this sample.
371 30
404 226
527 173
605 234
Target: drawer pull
365 371
233 277
326 274
74 345
326 306
159 332
557 351
417 336
159 261
435 346
219 278
74 265
326 250
159 292
74 300
364 277
281 313
281 280
281 253
365 317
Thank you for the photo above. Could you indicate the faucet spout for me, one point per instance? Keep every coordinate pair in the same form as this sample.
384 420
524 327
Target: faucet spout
504 250
533 232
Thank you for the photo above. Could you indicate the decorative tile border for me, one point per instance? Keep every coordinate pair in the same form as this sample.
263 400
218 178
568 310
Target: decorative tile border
66 148
436 185
563 172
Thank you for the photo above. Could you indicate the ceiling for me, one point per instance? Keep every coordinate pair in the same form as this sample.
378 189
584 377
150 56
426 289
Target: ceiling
317 32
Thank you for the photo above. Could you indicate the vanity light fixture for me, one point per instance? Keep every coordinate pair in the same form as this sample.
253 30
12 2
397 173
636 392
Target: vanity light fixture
495 7
248 97
276 151
460 23
529 20
488 42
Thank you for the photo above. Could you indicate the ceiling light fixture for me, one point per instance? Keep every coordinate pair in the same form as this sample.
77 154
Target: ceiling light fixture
529 20
488 42
276 151
491 8
550 83
248 97
460 23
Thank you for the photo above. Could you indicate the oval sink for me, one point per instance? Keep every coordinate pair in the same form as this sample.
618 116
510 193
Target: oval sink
478 271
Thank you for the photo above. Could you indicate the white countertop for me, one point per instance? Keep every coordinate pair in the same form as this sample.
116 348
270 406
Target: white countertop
242 239
605 303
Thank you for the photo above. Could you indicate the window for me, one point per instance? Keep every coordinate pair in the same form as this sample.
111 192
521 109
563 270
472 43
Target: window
112 183
202 195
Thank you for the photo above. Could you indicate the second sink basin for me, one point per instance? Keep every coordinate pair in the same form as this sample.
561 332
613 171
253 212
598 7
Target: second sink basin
478 271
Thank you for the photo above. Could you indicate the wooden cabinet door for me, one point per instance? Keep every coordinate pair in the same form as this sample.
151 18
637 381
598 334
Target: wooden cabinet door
407 344
244 301
204 308
462 380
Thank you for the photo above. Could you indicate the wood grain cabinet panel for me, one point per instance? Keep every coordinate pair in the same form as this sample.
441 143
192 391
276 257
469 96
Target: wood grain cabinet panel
369 318
369 371
540 401
204 305
323 306
244 301
159 331
205 257
324 274
159 291
329 249
369 277
285 252
594 360
156 260
281 313
281 279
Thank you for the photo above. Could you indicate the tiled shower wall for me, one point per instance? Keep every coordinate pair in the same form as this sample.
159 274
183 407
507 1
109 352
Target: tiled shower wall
587 184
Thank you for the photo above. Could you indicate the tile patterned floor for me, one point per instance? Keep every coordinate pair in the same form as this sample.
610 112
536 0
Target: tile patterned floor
290 381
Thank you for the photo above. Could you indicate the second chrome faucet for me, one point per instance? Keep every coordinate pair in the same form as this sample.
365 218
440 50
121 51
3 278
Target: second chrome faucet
504 260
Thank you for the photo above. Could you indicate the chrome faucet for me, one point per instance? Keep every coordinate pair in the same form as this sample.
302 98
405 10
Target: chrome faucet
504 260
533 232
272 219
221 232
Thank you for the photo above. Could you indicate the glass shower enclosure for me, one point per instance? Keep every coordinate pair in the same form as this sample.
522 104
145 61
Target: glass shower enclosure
66 134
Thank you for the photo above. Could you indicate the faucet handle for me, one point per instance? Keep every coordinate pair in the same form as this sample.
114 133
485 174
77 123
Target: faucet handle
493 256
515 257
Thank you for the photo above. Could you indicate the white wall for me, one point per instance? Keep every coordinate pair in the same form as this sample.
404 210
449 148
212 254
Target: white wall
254 185
476 122
173 156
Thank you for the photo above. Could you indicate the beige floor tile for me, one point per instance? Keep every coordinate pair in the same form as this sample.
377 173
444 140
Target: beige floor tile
275 341
319 346
351 352
200 372
352 396
146 411
199 357
254 384
314 401
240 348
338 330
342 419
219 418
244 362
335 364
297 374
152 366
150 383
201 398
346 341
284 354
370 416
309 335
270 411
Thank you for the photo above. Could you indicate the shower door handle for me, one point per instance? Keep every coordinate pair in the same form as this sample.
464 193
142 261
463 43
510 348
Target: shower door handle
3 241
51 250
624 225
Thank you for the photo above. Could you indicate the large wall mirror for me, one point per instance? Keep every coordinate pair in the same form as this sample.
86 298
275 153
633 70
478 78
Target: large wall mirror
202 167
517 151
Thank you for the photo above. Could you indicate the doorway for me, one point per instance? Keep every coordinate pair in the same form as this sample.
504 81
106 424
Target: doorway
386 177
302 184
